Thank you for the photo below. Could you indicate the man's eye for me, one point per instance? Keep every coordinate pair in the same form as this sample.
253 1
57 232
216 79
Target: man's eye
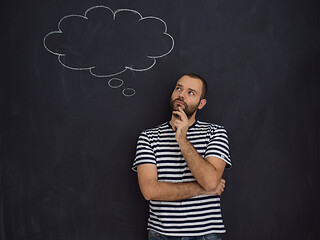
191 93
178 88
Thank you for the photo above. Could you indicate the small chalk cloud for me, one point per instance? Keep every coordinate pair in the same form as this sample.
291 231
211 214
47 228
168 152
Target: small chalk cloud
107 43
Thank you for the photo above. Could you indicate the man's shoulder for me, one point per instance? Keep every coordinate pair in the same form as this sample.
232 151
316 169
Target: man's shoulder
161 127
209 126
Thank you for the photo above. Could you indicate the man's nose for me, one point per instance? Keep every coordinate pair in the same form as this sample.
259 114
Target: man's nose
181 95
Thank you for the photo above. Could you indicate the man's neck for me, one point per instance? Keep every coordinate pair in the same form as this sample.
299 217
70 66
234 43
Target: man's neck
191 120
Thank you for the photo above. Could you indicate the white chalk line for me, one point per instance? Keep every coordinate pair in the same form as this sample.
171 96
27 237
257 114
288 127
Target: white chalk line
124 90
128 89
114 16
117 79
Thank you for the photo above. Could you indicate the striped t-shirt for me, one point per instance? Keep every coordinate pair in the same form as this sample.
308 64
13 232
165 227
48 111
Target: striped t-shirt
195 216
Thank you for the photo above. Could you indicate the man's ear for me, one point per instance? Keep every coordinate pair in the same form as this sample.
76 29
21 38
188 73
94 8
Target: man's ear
202 103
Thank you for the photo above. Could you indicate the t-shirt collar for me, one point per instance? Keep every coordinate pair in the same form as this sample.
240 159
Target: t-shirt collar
192 126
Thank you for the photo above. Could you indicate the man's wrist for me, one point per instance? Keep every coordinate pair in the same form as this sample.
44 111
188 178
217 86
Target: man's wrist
182 140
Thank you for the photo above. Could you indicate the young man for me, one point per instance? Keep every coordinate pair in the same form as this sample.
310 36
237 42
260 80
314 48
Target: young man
180 165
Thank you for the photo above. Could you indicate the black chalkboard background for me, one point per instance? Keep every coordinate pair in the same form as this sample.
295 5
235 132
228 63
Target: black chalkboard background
67 139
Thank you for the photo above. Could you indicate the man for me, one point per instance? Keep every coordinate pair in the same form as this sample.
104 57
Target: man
180 165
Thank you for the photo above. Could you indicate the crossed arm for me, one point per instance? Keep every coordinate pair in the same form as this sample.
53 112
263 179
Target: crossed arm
207 172
152 189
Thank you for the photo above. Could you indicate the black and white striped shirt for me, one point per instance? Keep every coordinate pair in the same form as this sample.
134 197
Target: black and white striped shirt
195 216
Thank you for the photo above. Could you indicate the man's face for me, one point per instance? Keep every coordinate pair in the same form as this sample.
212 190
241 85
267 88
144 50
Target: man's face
187 95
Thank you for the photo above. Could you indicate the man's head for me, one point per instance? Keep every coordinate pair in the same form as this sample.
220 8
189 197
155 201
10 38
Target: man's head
204 83
189 94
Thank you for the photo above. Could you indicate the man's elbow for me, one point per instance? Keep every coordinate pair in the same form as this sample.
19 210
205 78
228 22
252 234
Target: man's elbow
210 185
147 195
148 191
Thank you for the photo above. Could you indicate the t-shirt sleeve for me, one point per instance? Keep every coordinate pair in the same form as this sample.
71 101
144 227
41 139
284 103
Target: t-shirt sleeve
218 146
144 152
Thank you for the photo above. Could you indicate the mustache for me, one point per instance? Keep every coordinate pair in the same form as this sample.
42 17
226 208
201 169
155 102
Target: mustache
181 100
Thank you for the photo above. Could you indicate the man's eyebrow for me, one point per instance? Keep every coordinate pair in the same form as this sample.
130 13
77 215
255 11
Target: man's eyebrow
193 90
180 85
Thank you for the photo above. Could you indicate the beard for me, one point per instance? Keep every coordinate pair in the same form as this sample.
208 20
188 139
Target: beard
188 109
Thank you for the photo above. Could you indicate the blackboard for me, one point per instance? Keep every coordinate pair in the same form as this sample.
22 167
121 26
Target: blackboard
71 115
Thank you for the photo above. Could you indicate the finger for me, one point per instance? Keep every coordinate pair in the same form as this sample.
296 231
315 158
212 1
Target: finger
178 113
174 128
184 115
221 185
175 121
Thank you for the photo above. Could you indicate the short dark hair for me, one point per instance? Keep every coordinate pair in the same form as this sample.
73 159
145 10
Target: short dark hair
204 83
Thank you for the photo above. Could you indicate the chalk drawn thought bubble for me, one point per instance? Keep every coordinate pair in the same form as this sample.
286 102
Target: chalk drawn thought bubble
107 43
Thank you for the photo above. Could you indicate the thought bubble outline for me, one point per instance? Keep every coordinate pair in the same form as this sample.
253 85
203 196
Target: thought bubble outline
128 95
114 16
118 79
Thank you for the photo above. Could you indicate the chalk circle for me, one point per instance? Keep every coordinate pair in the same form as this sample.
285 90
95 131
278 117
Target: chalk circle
128 92
115 82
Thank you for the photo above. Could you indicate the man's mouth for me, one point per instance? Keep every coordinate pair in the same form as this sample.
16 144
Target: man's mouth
179 102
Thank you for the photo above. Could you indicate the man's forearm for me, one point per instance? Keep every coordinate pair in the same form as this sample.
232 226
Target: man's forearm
167 191
203 171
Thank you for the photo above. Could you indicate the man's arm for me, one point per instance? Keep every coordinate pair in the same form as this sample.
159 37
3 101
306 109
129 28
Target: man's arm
152 189
207 172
